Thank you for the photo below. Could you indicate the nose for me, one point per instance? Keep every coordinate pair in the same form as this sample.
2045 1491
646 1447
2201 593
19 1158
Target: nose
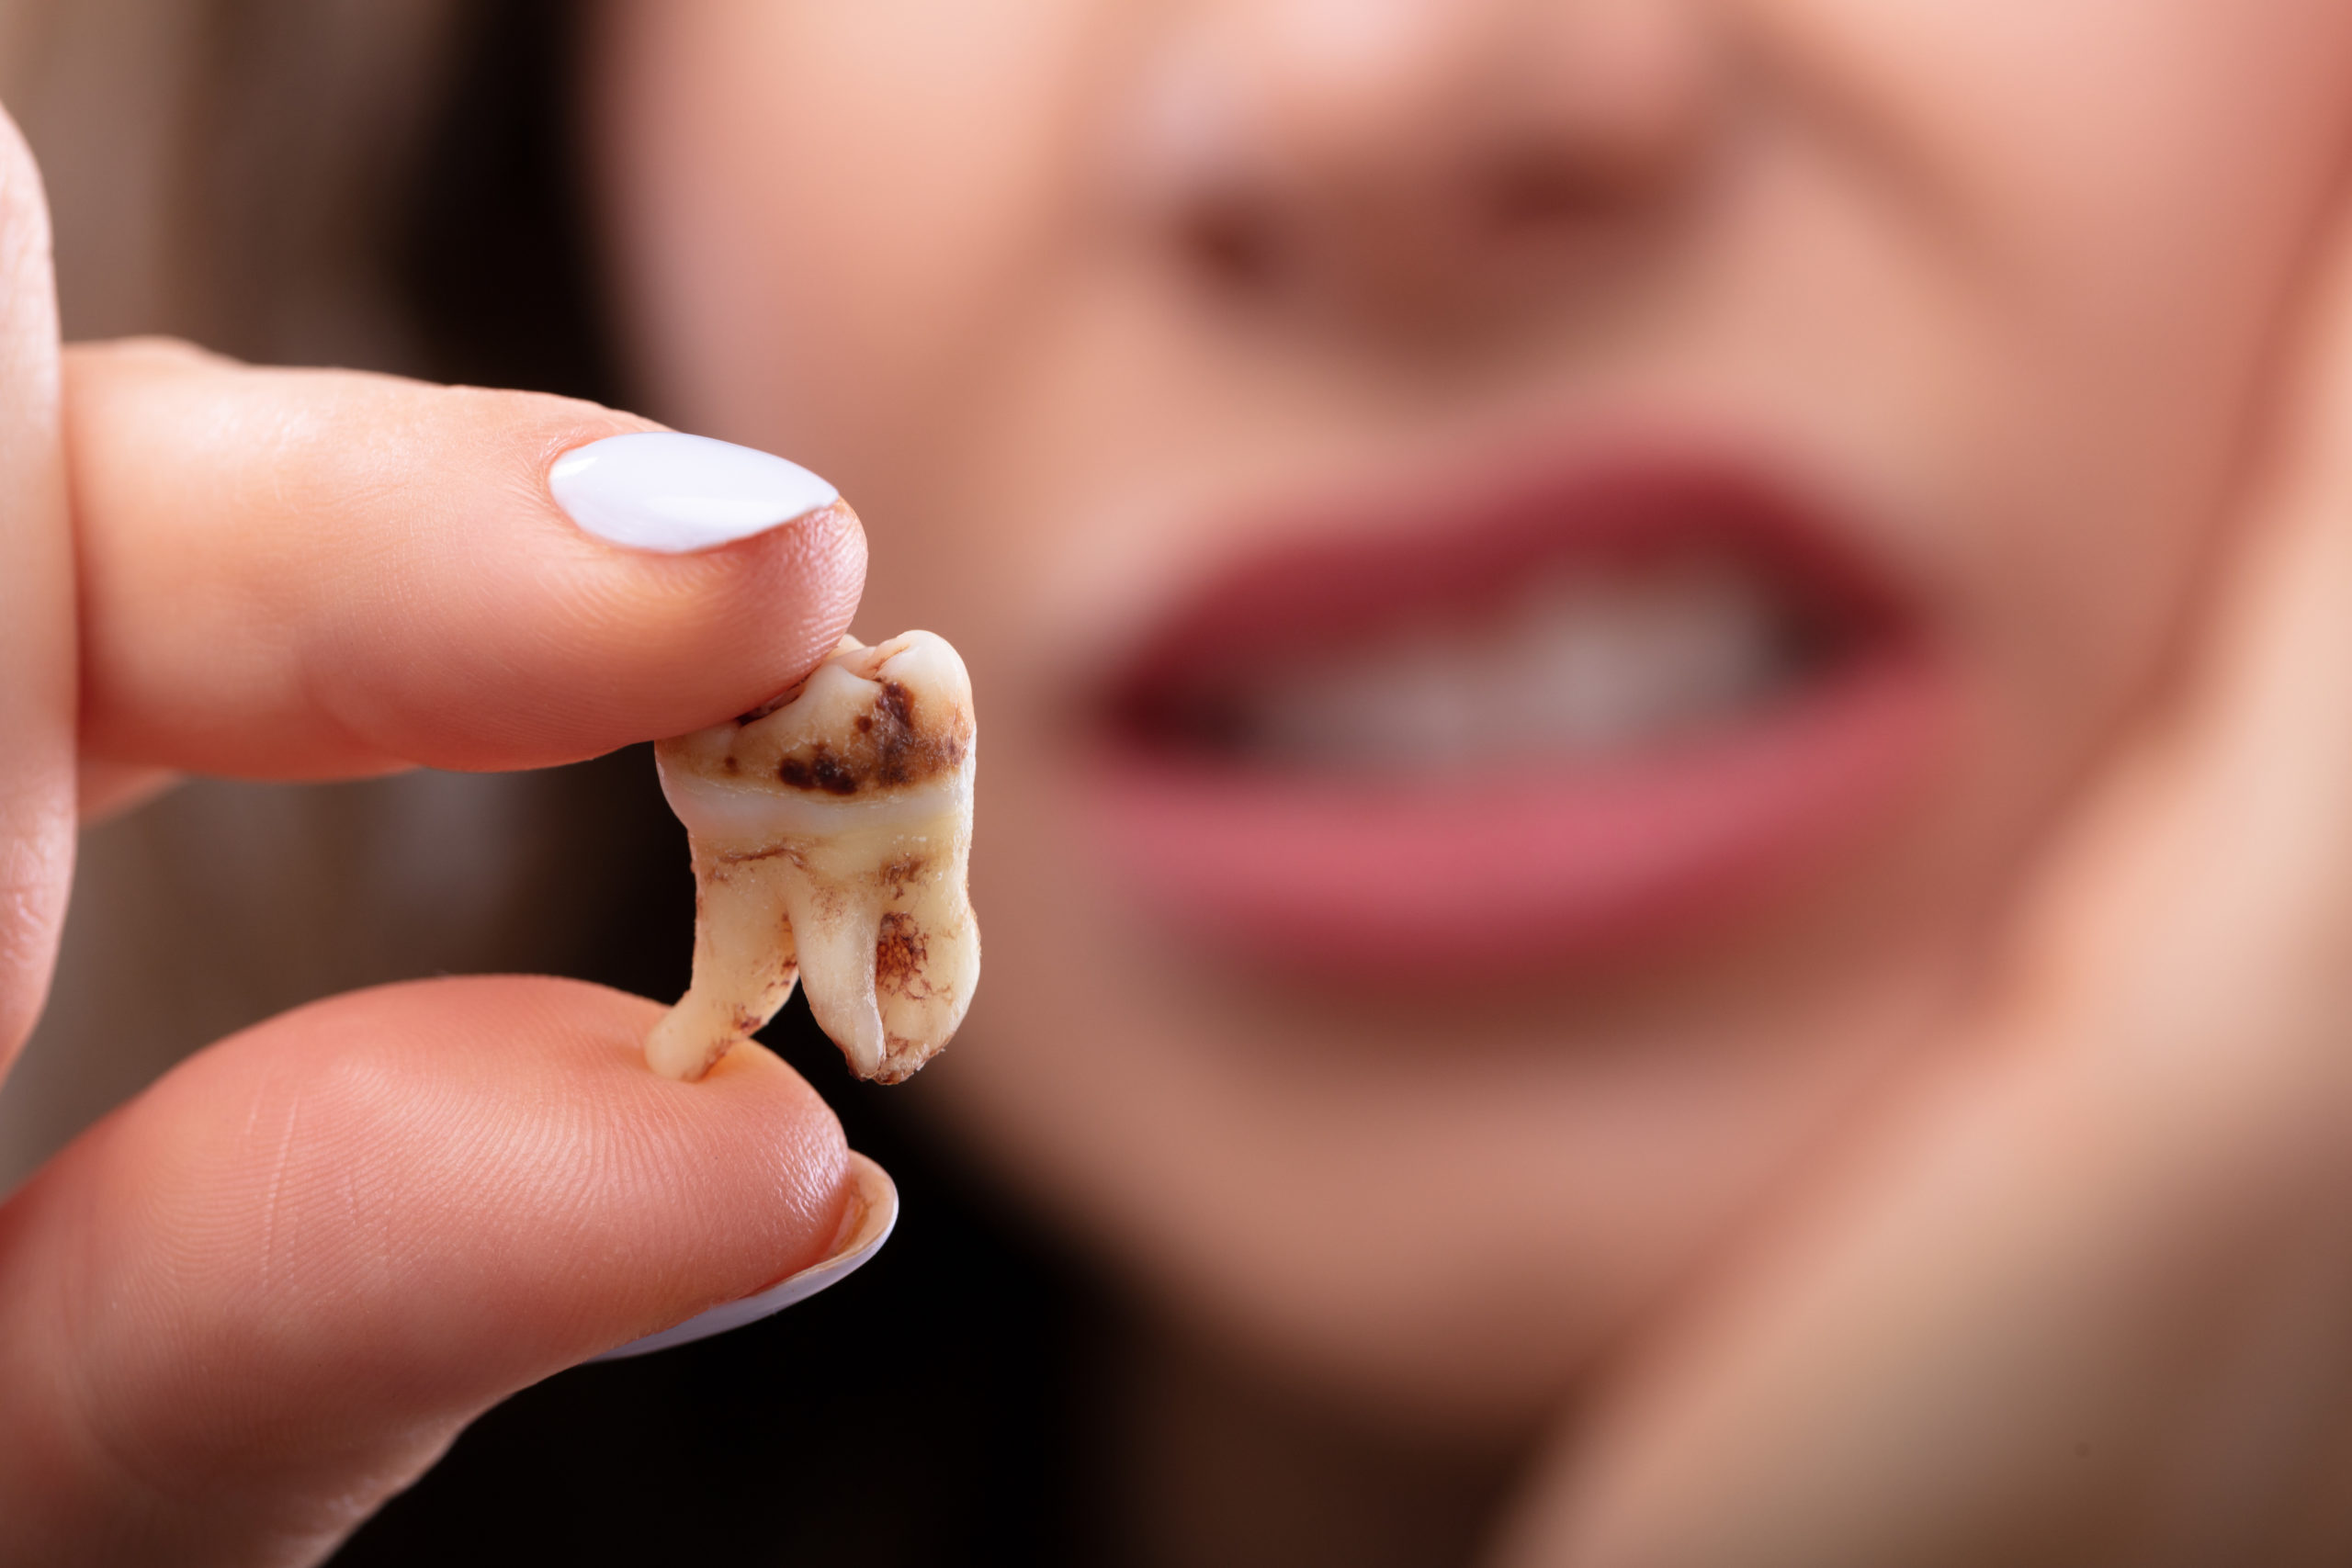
1411 160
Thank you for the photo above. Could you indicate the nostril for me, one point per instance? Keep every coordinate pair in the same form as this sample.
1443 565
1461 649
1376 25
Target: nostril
1235 242
1532 192
1536 192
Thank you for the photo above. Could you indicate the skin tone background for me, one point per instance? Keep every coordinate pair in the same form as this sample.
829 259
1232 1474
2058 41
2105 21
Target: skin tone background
1975 1206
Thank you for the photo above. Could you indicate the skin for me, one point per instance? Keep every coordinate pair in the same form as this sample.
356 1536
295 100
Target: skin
1981 1205
2040 287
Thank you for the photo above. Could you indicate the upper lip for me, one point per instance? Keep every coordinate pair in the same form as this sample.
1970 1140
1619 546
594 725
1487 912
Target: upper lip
1340 572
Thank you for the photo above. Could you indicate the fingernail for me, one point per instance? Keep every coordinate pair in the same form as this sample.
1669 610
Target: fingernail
673 493
873 1212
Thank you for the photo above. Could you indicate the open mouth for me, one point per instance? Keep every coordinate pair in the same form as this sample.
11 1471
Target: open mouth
1574 717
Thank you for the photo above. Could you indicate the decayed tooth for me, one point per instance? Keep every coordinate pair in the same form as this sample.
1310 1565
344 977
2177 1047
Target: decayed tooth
830 834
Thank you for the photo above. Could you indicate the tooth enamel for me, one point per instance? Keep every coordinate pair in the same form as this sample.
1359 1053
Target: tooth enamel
1585 666
831 838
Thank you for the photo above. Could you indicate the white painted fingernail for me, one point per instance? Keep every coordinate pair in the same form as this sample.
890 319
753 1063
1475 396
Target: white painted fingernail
873 1212
673 493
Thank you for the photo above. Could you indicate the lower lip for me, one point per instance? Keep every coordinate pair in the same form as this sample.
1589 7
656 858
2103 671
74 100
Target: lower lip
1529 869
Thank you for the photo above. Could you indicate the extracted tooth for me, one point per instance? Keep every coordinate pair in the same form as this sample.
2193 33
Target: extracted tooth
831 834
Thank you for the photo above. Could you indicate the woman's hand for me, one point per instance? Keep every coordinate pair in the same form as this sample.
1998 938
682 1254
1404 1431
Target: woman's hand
2087 1298
248 1306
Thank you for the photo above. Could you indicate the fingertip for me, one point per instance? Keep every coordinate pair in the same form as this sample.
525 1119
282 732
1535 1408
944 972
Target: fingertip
872 1214
23 203
323 574
319 1247
711 633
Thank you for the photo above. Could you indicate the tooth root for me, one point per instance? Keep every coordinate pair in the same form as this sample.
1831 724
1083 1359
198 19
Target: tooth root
837 950
927 956
744 967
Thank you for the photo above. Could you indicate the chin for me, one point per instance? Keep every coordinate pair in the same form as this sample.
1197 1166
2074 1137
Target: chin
1439 1206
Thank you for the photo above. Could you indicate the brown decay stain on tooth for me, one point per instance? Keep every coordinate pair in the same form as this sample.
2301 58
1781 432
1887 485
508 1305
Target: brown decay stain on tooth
745 857
819 770
905 754
891 747
899 955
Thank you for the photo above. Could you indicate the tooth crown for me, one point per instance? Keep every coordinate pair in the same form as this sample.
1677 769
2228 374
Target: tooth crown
868 722
831 834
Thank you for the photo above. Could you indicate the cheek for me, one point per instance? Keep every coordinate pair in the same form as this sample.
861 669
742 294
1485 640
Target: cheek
822 214
2129 189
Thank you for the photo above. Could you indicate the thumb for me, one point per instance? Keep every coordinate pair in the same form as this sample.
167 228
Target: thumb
242 1312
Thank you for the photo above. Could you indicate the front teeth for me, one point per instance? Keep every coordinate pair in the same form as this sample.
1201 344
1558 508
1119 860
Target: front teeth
1580 667
831 835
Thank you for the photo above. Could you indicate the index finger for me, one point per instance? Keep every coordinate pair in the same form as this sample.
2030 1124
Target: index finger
302 573
35 609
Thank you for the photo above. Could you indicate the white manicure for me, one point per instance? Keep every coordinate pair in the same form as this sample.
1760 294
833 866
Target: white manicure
673 493
873 1212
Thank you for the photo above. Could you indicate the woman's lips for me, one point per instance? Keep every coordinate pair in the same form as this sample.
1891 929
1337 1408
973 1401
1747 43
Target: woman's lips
1645 753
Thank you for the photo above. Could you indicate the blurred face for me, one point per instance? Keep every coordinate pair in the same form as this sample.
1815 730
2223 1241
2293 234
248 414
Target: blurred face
1531 569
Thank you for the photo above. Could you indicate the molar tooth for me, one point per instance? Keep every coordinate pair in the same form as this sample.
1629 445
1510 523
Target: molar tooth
831 835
